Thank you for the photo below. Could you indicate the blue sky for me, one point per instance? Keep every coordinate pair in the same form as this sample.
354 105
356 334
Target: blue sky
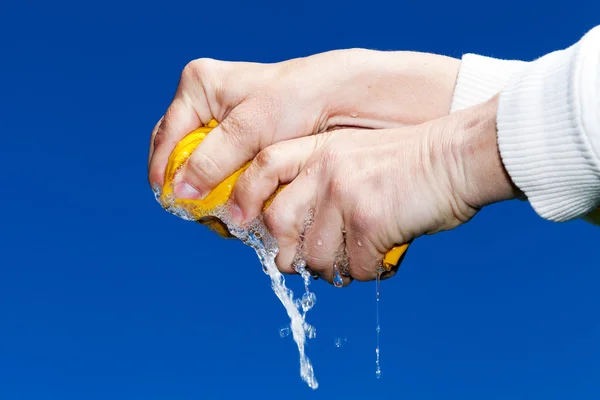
105 296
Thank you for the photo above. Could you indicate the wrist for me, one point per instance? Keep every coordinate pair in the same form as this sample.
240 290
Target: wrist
477 170
480 78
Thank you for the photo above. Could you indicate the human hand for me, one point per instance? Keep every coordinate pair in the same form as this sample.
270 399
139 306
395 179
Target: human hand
372 190
261 104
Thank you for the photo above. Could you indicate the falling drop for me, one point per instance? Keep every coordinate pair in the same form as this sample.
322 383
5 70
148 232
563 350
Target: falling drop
284 332
377 328
338 342
308 301
337 278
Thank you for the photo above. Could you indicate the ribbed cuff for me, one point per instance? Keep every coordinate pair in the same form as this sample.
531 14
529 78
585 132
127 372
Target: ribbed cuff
549 130
480 78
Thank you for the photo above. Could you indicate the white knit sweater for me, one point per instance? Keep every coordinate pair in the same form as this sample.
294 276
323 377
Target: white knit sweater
548 124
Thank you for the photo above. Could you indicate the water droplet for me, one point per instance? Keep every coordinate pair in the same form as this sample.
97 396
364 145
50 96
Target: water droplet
354 114
308 301
319 242
359 243
337 278
378 373
307 171
284 332
338 342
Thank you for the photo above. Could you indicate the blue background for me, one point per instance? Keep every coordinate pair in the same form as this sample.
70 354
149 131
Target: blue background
103 295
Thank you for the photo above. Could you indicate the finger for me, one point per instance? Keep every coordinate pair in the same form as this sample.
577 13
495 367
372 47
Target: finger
325 245
365 258
275 165
286 219
179 120
152 136
227 148
288 248
189 109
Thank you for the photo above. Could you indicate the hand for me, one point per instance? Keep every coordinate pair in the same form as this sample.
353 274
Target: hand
372 190
261 104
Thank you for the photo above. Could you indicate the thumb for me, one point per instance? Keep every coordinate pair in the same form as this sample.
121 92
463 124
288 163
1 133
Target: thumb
225 149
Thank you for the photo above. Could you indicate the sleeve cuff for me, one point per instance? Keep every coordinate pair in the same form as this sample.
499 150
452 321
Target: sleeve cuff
481 78
549 130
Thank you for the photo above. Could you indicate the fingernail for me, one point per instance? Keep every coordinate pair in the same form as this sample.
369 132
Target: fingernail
184 190
235 212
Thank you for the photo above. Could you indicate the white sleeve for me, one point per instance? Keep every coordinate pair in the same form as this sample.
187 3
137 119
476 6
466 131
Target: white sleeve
480 78
549 130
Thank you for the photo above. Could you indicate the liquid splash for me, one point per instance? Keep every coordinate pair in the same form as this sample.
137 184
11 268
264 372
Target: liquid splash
256 235
266 248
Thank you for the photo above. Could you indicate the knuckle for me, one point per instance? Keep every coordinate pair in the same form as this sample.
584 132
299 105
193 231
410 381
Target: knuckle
202 167
197 69
279 222
266 159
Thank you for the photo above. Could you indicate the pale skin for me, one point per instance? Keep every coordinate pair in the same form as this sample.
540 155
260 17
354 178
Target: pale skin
411 170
